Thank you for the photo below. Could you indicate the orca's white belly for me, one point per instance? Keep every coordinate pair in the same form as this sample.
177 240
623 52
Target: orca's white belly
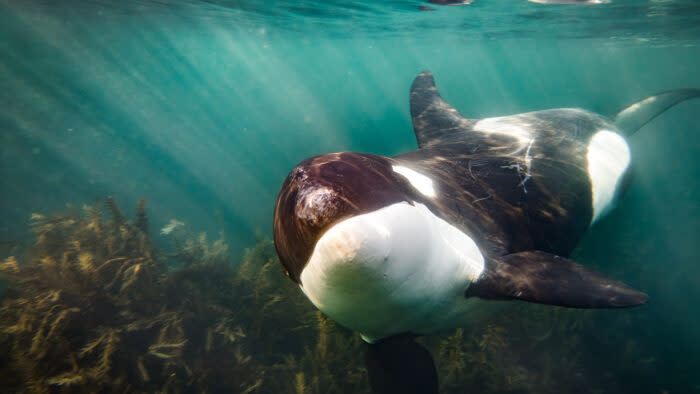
398 269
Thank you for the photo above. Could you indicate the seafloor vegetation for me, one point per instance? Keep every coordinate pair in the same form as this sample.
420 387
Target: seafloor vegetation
93 307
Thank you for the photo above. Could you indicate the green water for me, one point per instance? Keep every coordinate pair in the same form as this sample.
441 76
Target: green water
203 108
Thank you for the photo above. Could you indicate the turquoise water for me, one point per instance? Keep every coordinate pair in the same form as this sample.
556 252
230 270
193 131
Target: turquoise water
202 108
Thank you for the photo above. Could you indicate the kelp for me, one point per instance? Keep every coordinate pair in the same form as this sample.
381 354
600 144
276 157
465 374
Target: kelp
94 307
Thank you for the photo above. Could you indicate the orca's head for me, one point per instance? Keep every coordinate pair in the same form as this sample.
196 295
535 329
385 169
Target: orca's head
325 190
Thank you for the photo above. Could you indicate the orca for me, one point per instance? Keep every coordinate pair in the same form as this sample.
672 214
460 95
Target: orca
485 209
570 1
450 2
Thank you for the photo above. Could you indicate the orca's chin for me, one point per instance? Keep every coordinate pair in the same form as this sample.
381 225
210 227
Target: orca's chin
396 269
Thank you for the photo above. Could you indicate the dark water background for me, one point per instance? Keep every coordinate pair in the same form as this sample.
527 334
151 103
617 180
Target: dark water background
203 108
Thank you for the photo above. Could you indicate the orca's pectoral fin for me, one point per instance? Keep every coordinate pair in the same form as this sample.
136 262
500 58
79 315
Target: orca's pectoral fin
632 118
399 365
545 278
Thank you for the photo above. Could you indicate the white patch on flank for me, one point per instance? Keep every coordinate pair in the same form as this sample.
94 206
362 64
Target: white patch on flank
513 126
608 158
421 182
397 269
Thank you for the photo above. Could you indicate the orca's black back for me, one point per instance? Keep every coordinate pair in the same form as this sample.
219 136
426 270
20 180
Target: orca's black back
511 193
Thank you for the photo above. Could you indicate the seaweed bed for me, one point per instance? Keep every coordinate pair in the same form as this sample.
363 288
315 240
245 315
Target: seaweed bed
93 307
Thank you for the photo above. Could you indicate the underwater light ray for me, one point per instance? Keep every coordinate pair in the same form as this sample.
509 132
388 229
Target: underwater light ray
241 167
85 157
204 143
94 113
376 92
226 156
291 95
252 116
150 125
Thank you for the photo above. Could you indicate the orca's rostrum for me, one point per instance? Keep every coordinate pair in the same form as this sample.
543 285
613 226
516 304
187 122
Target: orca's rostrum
485 209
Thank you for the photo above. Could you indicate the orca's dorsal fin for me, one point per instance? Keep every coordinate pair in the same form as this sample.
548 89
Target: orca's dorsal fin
432 117
544 278
632 118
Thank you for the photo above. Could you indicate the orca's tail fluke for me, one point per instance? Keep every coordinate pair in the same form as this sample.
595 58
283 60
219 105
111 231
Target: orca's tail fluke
632 118
399 365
